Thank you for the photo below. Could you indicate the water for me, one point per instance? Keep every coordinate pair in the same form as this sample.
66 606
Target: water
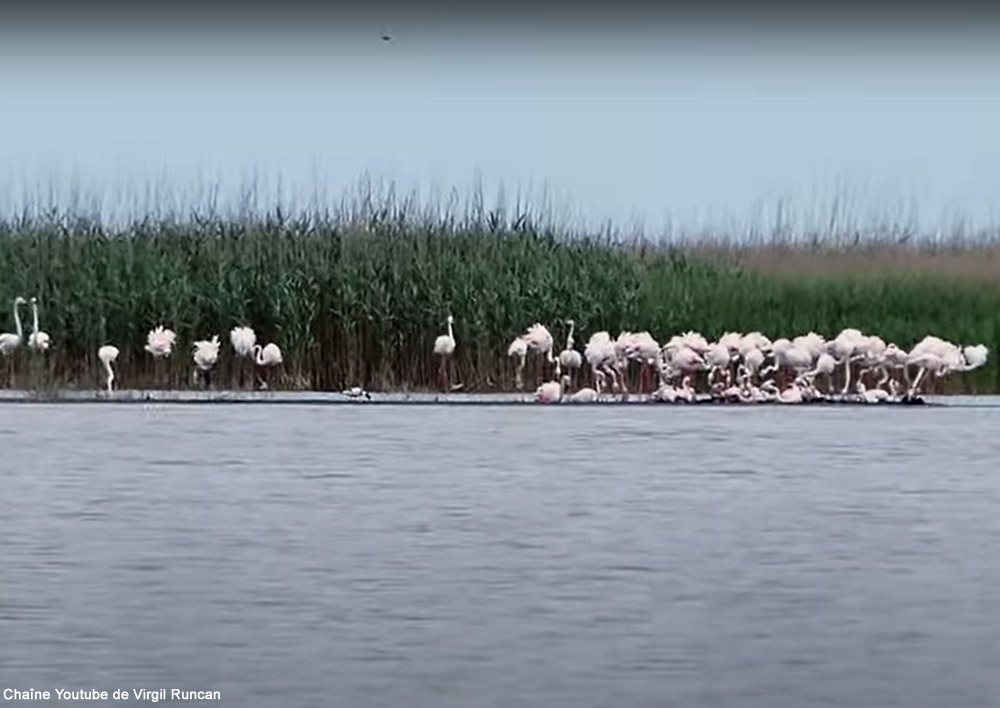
543 556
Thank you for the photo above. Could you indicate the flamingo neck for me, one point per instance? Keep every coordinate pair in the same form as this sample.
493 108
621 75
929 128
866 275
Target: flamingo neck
111 373
451 334
17 320
34 313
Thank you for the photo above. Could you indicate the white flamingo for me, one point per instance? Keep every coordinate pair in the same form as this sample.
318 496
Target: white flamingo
518 350
600 355
792 394
569 358
975 356
584 395
38 341
842 348
717 358
160 343
925 361
640 347
538 338
10 341
356 392
444 347
206 355
268 357
108 354
243 340
684 360
874 395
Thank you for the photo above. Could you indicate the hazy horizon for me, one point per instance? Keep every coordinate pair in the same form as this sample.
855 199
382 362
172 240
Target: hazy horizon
695 128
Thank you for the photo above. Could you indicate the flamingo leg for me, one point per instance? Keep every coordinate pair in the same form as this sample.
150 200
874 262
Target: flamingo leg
916 382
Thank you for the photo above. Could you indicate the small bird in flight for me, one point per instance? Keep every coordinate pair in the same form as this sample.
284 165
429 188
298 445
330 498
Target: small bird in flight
386 37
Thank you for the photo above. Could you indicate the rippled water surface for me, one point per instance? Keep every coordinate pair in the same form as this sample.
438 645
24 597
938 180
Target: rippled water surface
504 556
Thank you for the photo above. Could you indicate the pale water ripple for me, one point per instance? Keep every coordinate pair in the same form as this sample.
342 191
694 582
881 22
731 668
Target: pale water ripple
436 556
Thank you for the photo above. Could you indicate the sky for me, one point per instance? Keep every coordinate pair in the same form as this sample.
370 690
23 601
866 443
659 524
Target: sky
686 125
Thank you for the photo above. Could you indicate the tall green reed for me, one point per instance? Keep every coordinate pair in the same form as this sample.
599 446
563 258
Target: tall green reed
359 299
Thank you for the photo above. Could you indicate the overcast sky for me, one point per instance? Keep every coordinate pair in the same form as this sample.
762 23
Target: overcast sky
697 125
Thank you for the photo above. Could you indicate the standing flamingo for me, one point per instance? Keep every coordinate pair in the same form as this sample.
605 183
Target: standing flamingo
569 358
444 347
160 343
538 338
518 350
108 354
600 355
269 357
39 341
206 354
243 340
9 342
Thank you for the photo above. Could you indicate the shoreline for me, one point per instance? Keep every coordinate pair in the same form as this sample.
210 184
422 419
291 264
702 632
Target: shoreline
182 397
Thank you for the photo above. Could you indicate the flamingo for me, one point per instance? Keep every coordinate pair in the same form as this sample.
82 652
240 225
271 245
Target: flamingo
570 358
518 350
160 342
9 342
268 357
538 338
685 392
717 358
825 365
685 360
875 395
584 395
600 355
925 361
108 354
665 393
842 348
792 394
243 340
753 360
812 343
549 392
356 392
975 356
444 346
39 341
206 354
641 347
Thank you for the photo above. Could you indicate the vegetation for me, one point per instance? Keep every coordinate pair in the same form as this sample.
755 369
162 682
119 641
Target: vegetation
358 296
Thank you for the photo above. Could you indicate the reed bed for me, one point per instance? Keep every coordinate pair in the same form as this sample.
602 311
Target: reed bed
358 298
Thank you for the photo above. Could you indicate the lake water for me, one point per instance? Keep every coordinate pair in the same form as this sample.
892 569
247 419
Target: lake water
504 556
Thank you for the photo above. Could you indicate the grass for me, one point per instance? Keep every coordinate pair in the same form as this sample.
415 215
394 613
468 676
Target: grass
358 296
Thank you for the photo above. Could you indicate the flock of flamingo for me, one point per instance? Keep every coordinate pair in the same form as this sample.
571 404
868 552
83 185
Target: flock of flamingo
159 344
739 368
